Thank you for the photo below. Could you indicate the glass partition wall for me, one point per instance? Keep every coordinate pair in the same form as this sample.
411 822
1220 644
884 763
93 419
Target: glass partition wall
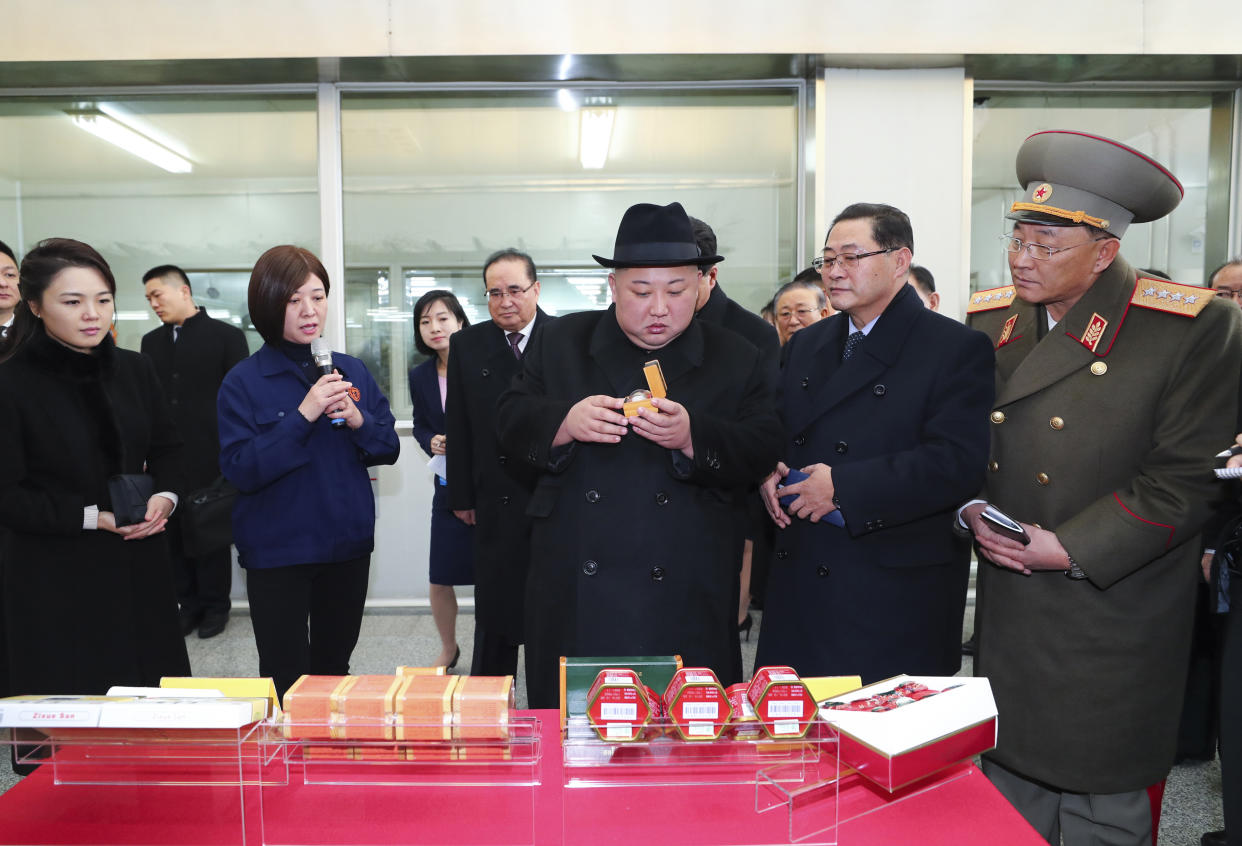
206 182
1172 128
434 181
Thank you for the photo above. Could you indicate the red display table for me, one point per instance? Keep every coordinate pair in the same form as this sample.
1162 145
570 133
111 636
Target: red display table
959 807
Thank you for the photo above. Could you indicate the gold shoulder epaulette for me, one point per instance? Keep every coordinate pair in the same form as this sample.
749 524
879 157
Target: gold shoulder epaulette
991 299
1173 297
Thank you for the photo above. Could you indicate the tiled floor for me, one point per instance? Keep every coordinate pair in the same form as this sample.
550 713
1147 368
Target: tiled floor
389 638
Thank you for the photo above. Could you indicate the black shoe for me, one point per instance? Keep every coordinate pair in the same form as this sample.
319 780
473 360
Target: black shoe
744 626
189 622
1214 838
968 648
212 625
456 658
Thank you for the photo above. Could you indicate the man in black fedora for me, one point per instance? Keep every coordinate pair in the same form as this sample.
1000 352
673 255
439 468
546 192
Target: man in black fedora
631 549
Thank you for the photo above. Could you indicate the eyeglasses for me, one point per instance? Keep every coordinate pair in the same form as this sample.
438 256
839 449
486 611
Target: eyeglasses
1228 293
1038 251
802 313
848 261
497 294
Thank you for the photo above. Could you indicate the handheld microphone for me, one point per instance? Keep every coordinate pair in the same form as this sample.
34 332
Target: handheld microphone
322 353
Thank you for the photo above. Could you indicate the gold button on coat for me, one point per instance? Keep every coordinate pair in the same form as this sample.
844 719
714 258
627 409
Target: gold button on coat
1057 423
993 466
1099 368
998 417
1042 478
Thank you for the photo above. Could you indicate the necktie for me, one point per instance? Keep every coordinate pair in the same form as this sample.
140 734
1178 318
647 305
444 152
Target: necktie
176 329
851 344
515 338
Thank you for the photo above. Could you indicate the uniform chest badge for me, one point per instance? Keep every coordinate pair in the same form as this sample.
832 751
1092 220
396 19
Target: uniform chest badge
354 393
1095 330
1006 334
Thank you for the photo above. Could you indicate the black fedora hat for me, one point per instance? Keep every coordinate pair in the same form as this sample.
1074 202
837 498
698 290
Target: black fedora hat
655 236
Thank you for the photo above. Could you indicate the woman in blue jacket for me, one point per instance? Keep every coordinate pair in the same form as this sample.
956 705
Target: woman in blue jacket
304 524
437 315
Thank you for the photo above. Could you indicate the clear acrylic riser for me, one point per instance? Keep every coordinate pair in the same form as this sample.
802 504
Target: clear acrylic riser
135 757
477 790
729 791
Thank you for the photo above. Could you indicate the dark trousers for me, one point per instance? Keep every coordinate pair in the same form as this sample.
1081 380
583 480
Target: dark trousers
202 583
306 618
1231 716
493 654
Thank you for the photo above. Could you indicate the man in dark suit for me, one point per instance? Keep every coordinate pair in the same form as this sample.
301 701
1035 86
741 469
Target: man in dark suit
487 487
752 524
192 353
885 408
632 551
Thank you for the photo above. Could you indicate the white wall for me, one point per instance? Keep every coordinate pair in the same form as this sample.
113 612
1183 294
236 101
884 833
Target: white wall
899 137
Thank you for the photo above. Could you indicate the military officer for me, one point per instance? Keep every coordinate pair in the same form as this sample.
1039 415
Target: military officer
1113 392
631 552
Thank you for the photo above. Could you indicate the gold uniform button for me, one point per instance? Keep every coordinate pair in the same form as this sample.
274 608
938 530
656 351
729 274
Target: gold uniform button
1057 423
1099 368
1042 478
998 417
993 466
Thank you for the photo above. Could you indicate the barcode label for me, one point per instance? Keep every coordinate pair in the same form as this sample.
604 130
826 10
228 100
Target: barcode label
698 677
785 708
618 680
623 711
700 710
785 727
701 730
623 731
782 677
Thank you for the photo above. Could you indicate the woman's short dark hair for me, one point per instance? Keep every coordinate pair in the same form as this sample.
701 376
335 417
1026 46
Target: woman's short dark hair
425 302
40 266
276 277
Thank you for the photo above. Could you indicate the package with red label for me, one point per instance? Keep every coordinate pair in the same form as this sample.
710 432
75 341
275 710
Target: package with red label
898 731
619 705
363 708
310 705
781 701
743 724
481 706
696 704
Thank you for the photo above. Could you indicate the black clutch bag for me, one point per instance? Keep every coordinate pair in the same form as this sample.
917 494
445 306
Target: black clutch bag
207 522
129 493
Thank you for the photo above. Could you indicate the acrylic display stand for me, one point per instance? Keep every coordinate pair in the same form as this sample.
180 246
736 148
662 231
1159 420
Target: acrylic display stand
430 792
729 791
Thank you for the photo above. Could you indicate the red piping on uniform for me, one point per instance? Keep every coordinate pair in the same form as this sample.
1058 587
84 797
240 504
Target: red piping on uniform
1148 522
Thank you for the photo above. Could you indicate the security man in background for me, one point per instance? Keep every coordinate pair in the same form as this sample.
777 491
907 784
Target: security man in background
487 487
192 352
1113 393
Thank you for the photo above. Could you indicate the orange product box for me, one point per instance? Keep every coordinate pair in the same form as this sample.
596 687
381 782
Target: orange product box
365 707
335 752
423 708
619 704
377 753
781 701
481 706
309 705
422 671
430 753
696 704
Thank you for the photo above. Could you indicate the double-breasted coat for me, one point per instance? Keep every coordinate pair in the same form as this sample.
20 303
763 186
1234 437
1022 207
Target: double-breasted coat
903 426
487 478
191 370
1103 432
84 610
632 550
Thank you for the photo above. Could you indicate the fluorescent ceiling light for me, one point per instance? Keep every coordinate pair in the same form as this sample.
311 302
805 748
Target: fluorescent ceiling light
595 135
135 143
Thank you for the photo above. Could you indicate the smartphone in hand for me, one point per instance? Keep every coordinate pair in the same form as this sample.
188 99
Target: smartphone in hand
1001 523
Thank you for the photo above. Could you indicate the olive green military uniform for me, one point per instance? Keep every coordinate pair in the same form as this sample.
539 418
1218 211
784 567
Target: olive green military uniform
1103 432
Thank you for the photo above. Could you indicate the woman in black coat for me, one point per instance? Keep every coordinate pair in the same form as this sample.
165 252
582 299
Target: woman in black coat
88 604
437 315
